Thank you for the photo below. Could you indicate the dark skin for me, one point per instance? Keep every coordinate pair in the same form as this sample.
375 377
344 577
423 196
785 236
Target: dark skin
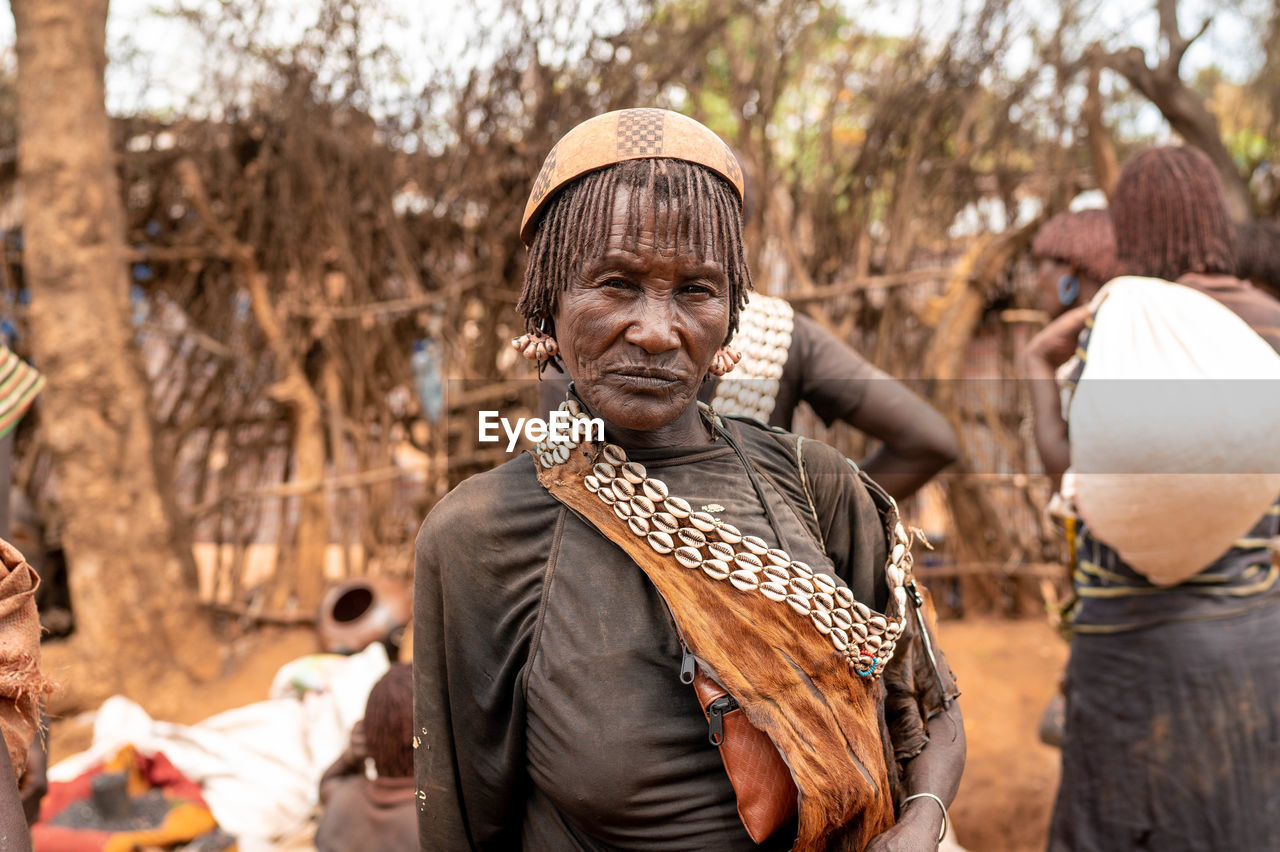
917 440
1048 273
935 770
1048 350
637 330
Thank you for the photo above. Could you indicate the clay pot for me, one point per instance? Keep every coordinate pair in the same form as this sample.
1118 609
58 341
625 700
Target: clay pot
358 612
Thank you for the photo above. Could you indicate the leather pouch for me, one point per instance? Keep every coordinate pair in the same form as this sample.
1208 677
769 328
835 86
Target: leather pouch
767 796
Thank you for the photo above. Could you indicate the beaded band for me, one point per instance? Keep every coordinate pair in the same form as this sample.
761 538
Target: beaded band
699 540
764 339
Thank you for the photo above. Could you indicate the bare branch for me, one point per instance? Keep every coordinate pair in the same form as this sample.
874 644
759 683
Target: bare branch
1168 12
1181 105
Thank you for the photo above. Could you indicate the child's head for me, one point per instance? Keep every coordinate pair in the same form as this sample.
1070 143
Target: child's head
388 722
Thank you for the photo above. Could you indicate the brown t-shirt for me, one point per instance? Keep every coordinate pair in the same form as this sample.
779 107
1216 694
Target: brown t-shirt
361 815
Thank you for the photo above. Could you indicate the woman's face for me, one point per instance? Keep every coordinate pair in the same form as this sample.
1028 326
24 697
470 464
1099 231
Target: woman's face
639 326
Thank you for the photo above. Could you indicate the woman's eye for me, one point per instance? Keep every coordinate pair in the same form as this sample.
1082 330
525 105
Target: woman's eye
695 289
615 283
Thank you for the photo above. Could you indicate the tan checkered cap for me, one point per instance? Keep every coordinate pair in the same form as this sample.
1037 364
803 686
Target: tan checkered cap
627 134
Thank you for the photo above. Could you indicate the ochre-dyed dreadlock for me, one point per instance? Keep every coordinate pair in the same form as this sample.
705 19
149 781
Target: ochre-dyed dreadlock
1258 254
574 230
1083 240
1170 215
388 722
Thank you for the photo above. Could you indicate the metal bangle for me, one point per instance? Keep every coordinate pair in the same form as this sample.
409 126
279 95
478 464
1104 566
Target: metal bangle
941 804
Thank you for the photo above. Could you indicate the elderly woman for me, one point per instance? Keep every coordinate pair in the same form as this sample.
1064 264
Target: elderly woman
566 600
1172 729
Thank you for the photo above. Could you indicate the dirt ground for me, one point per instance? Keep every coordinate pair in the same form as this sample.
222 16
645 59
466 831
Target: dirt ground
254 662
1008 670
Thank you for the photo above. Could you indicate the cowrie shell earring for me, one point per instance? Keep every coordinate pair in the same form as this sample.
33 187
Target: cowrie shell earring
725 360
536 346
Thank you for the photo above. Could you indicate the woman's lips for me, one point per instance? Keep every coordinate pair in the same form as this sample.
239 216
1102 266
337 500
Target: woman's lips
647 377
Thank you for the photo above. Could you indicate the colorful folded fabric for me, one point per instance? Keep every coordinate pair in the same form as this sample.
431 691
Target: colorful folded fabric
20 384
161 808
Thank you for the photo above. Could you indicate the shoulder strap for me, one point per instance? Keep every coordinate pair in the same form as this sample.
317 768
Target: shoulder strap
808 494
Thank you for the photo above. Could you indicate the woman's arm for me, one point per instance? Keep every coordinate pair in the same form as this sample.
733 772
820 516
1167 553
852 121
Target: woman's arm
921 714
839 384
35 779
917 441
442 822
474 573
1045 352
925 727
935 770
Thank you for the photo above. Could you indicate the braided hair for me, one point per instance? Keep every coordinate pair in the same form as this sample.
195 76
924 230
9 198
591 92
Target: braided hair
1170 215
575 227
1082 240
388 722
1258 254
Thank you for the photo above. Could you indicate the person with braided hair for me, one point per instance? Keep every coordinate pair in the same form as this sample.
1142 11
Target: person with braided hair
788 358
374 813
1172 724
1075 254
602 657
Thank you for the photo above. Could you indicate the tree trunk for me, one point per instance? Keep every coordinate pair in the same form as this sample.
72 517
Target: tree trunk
139 624
298 583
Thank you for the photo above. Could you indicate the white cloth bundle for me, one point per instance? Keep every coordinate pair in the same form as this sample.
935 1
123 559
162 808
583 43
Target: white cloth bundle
1175 427
258 766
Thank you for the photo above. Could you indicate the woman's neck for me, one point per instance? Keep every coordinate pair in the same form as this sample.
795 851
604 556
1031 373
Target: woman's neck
687 430
690 429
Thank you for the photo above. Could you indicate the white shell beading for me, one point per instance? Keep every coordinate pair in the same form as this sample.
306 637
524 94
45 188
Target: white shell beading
699 540
764 338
